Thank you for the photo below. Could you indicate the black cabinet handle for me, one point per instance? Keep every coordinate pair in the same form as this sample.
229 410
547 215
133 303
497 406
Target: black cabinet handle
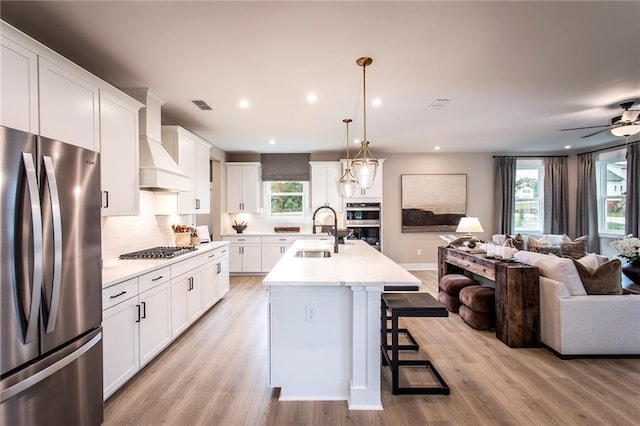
118 295
106 199
144 310
158 278
219 268
138 313
197 204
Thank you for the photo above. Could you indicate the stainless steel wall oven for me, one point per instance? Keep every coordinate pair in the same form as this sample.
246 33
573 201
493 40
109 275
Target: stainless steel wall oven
365 219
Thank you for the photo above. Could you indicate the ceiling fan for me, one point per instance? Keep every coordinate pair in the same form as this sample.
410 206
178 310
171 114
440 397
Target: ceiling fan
627 124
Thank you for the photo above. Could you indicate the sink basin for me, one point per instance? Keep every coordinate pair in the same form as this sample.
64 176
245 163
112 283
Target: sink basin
313 253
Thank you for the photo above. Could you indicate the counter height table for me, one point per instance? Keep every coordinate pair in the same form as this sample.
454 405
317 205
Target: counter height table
324 322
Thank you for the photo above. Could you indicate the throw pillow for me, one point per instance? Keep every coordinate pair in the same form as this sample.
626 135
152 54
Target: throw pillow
575 249
557 268
518 241
542 246
603 280
590 261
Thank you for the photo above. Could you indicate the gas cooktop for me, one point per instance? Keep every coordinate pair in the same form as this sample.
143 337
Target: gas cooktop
158 253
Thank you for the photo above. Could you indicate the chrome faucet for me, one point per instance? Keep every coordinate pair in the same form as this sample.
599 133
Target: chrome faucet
335 225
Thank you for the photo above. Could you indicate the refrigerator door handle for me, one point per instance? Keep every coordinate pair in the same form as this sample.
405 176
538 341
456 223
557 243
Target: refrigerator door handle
57 242
36 221
11 391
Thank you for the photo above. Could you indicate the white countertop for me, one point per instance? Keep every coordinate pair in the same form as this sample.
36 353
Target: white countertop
357 263
118 270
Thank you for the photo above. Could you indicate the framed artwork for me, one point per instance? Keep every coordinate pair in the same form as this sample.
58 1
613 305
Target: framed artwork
433 203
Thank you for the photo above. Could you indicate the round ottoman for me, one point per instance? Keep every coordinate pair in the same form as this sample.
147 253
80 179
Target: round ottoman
477 307
449 289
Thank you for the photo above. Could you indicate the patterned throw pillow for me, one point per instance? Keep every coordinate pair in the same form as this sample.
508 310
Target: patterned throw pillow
541 246
518 241
575 249
604 280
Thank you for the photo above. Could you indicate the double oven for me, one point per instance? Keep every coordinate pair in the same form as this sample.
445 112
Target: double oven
365 219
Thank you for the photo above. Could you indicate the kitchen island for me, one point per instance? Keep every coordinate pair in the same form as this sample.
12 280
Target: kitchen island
324 322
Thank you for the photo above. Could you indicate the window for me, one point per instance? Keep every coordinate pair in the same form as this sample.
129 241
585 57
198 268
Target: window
285 199
529 206
612 189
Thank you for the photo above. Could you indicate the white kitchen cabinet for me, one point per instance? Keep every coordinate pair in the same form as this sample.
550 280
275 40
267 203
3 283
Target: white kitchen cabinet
243 187
375 192
215 276
69 105
120 344
186 294
155 321
325 184
273 248
19 82
192 154
245 254
119 171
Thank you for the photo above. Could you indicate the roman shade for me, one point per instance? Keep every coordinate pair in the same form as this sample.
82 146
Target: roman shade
282 167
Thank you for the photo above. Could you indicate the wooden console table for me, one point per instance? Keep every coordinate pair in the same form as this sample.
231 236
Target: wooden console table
517 293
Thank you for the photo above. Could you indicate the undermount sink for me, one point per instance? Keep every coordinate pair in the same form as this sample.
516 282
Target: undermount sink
313 253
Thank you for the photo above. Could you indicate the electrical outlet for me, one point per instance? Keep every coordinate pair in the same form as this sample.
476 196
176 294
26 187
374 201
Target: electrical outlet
419 252
310 313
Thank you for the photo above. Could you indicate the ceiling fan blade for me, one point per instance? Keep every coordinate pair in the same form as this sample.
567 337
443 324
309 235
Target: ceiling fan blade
595 133
587 127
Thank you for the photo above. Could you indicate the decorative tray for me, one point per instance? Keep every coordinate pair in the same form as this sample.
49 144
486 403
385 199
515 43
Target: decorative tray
286 229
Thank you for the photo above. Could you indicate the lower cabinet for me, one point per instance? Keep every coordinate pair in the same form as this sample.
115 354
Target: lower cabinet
273 248
142 316
245 253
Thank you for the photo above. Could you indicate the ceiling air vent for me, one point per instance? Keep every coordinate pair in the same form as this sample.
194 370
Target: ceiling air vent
203 105
437 103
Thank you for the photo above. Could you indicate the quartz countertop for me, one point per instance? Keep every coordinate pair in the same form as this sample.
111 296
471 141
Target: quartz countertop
118 270
356 264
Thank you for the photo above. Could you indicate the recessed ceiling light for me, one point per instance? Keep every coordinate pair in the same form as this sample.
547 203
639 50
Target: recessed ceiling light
437 103
567 147
437 148
376 102
312 98
244 104
272 141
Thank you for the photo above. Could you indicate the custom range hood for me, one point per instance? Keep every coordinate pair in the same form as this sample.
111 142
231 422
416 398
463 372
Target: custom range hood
158 170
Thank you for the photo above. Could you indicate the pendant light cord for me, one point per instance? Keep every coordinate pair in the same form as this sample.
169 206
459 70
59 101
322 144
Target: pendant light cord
364 96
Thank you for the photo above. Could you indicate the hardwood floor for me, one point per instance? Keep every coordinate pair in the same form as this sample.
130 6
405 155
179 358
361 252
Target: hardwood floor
216 374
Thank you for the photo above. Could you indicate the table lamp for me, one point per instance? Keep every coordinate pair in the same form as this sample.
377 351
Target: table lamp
469 224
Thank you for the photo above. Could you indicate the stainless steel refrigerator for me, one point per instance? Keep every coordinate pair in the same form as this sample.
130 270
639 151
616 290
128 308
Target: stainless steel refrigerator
50 293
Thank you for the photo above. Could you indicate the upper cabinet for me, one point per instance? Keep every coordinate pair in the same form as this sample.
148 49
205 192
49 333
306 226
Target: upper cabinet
243 187
19 82
375 192
325 184
69 106
192 154
119 173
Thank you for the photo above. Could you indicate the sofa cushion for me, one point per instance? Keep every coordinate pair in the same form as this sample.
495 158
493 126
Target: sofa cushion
557 268
543 246
575 249
590 260
606 279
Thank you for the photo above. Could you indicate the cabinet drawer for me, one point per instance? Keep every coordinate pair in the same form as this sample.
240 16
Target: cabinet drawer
152 279
185 266
282 239
243 240
214 255
119 293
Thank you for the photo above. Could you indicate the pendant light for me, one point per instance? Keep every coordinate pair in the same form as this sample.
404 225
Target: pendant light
364 164
347 181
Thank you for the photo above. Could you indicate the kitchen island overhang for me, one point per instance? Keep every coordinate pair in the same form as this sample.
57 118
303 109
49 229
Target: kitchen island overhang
324 322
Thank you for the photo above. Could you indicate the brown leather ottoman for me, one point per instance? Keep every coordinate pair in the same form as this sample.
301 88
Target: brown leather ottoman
478 306
449 289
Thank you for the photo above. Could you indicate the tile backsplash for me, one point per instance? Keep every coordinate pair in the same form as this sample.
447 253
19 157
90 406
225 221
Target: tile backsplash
124 234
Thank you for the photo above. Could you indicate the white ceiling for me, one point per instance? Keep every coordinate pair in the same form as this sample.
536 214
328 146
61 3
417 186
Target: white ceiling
515 72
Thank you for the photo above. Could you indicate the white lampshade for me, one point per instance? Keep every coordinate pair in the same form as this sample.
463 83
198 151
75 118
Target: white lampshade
469 224
628 130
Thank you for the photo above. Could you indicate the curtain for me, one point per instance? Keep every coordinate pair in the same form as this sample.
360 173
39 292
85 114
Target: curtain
556 209
504 195
282 167
587 201
632 215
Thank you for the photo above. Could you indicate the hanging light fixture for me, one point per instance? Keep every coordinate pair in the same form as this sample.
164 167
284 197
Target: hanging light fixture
364 164
347 181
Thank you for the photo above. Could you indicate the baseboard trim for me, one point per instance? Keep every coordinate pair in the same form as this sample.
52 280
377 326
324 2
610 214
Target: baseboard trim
420 266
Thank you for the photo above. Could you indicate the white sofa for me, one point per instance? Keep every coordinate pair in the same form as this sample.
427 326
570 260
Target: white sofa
574 323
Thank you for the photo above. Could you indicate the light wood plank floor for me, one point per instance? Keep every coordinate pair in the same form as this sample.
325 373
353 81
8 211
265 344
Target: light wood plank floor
216 374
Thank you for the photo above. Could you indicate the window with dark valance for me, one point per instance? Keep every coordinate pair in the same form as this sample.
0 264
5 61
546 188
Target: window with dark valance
285 167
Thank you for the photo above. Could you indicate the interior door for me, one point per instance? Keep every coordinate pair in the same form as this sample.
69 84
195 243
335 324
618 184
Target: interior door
72 285
18 300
